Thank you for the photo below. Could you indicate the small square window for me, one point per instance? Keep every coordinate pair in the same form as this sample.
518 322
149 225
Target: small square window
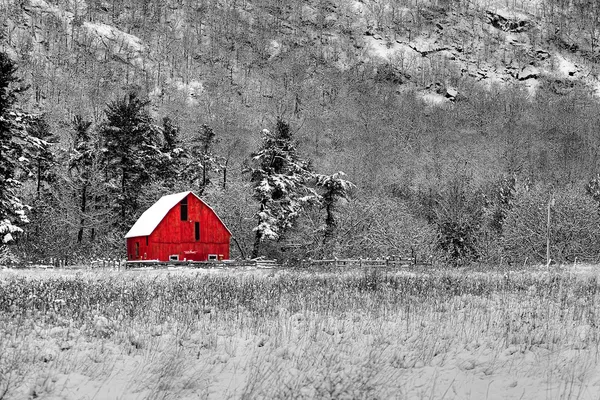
174 257
212 257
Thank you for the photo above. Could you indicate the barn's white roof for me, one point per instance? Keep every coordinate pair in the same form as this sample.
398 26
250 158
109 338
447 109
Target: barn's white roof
150 219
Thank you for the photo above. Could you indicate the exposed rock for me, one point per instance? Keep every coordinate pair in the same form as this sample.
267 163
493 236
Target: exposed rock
426 52
451 93
448 54
542 54
528 72
508 21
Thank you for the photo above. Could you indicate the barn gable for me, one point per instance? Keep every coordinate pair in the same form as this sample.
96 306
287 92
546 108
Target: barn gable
179 226
150 219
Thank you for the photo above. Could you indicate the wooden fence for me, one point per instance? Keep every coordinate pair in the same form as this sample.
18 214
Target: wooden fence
388 262
58 262
202 264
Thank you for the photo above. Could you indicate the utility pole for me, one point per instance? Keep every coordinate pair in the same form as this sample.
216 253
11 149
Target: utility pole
550 205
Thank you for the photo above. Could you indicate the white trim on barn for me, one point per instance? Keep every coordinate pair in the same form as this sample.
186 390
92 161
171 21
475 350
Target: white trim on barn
150 219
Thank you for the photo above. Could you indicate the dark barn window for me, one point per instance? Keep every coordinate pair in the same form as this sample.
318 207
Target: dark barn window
184 209
197 230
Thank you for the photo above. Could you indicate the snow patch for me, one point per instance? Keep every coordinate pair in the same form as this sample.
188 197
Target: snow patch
192 90
565 67
274 48
379 48
532 85
433 99
127 46
596 89
109 32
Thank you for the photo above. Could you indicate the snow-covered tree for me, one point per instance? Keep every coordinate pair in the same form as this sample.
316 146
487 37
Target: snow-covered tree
131 153
43 159
334 187
17 149
82 166
280 178
171 164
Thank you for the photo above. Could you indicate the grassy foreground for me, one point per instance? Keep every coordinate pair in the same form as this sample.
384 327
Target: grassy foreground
299 334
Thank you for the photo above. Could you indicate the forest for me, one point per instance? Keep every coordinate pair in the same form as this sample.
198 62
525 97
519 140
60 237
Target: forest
283 118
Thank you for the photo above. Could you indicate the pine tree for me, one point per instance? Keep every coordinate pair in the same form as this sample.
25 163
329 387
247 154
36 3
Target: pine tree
130 152
334 187
280 178
203 160
17 149
173 154
81 167
43 160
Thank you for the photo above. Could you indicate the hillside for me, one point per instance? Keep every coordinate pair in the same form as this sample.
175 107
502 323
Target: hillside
401 95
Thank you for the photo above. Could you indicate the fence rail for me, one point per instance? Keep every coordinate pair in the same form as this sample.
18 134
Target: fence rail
390 262
61 262
202 264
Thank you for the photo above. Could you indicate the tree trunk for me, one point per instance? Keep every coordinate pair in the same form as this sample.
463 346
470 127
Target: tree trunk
39 177
123 192
83 207
256 246
225 174
329 223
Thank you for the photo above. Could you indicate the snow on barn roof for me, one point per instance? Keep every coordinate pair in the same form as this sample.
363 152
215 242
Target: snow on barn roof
150 219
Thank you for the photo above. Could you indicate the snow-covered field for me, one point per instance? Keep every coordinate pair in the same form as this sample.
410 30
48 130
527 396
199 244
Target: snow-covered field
300 334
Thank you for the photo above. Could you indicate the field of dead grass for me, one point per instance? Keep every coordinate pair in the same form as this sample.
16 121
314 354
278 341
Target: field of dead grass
359 334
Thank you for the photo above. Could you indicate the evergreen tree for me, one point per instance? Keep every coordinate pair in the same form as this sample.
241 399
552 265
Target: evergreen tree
81 166
130 153
17 149
173 155
280 179
334 187
203 159
43 160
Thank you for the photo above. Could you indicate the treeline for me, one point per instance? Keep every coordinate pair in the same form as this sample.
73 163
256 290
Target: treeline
77 199
114 126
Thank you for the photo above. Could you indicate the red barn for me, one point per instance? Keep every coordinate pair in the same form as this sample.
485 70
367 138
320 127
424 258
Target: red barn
178 227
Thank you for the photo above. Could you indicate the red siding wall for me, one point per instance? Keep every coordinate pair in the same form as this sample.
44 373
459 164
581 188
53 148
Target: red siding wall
173 236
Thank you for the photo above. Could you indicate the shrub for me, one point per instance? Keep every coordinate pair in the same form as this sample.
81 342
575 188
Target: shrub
368 227
459 216
574 229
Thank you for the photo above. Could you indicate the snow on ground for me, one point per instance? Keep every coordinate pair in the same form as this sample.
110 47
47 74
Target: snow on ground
306 354
433 99
564 66
109 38
446 352
191 90
112 33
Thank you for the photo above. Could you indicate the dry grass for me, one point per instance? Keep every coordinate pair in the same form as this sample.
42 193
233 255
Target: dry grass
298 334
